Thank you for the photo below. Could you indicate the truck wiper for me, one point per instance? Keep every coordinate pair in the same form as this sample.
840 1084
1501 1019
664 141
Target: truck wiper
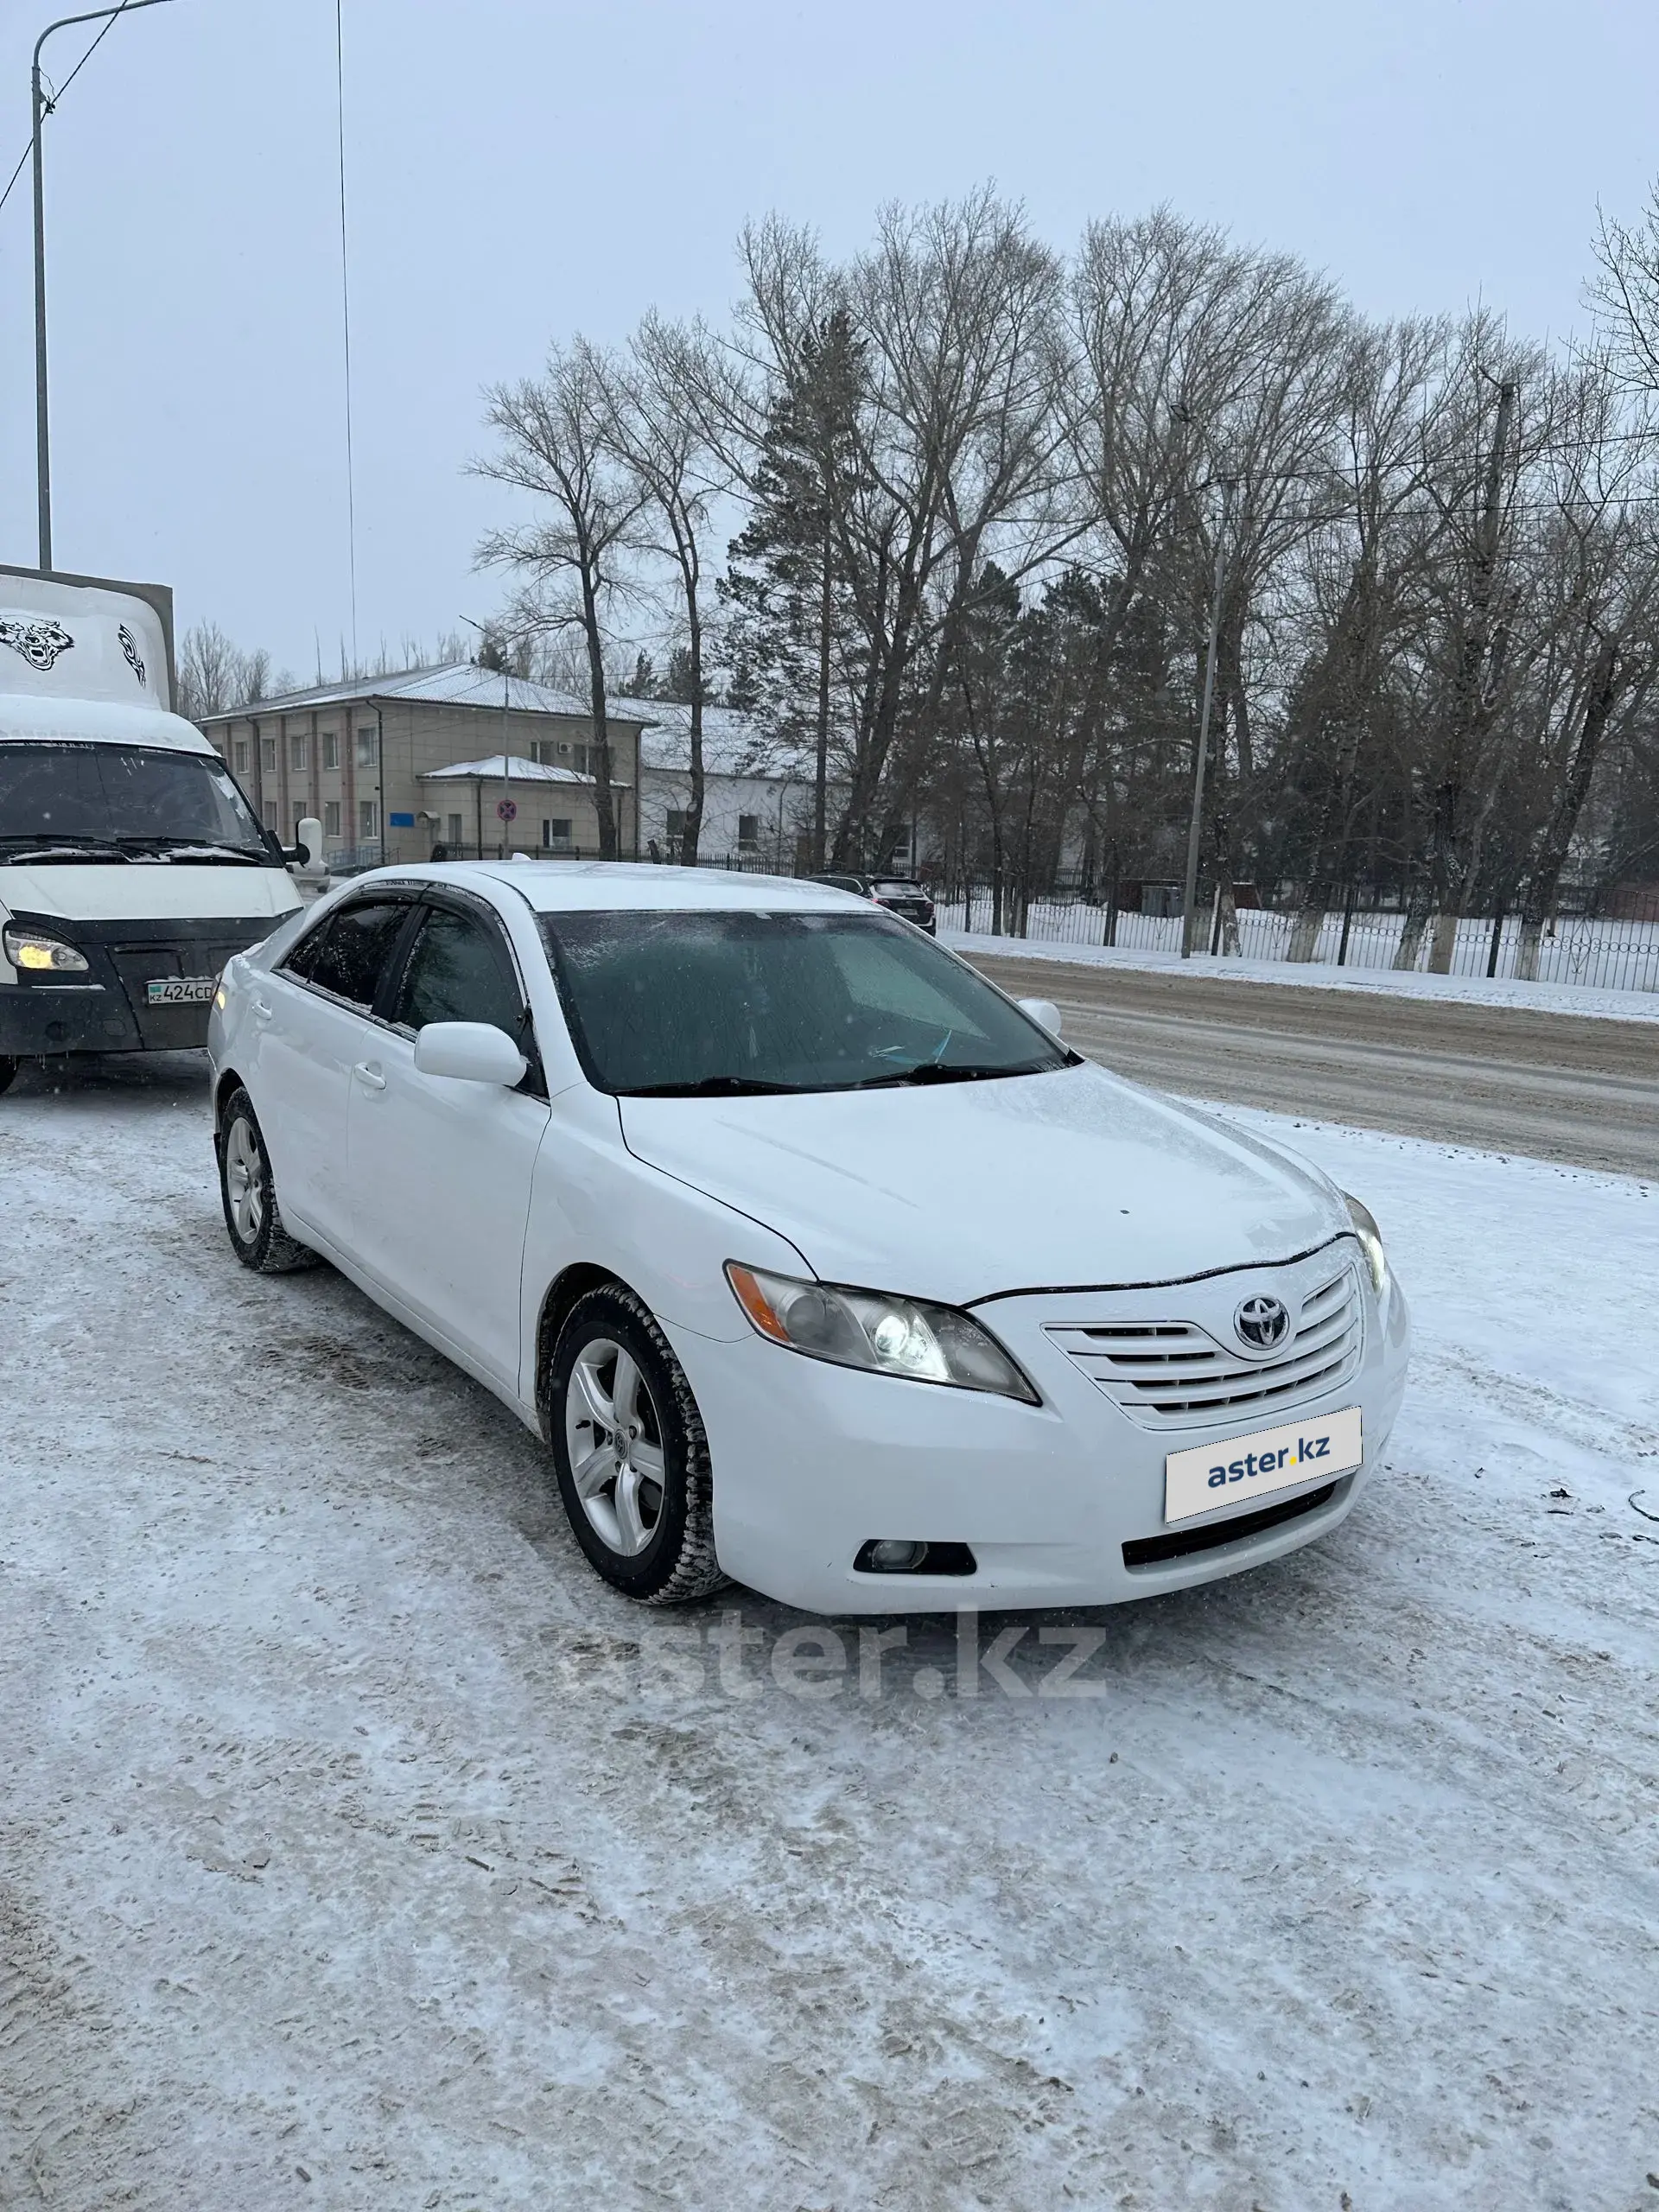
76 848
186 850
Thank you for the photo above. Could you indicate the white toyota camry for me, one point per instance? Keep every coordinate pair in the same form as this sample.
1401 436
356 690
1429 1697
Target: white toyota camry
816 1260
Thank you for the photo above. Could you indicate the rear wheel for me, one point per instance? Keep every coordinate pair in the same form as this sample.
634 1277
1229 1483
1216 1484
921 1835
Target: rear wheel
630 1450
249 1190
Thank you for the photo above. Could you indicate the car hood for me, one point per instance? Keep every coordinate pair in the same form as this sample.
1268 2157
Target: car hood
960 1191
146 892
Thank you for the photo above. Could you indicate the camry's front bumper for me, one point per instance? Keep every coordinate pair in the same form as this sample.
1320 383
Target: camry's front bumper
813 1461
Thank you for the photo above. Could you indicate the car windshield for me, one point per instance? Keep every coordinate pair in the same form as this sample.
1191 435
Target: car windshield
689 1004
125 799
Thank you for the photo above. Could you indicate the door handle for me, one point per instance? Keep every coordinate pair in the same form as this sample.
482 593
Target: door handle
262 1011
368 1076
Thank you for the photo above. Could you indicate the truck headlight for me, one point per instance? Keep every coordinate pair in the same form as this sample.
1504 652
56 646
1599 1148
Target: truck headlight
873 1330
1370 1238
28 950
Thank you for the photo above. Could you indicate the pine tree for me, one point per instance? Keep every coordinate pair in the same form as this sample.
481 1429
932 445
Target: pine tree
791 634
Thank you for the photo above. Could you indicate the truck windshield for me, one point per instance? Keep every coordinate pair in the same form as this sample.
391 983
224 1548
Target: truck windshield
63 800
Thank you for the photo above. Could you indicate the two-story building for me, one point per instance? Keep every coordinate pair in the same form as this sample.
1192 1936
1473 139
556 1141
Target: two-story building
458 758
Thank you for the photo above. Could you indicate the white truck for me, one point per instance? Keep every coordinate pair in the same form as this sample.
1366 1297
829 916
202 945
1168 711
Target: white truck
131 866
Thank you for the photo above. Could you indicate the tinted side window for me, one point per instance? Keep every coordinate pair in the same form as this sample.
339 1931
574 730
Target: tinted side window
303 957
457 972
352 952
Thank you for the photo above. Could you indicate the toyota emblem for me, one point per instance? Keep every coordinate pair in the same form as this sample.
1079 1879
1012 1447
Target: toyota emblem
1262 1323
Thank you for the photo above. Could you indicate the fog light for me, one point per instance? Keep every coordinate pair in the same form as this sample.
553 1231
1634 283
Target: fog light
890 1556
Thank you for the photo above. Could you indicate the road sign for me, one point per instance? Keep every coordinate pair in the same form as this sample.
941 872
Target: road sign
507 809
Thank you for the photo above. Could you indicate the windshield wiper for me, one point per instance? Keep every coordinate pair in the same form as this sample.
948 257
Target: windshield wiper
713 1086
67 848
187 849
933 1071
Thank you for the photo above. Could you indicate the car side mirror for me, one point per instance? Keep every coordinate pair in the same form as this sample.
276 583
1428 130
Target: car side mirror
1044 1012
469 1051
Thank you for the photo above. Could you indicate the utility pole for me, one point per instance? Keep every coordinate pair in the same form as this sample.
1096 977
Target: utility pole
1196 830
42 108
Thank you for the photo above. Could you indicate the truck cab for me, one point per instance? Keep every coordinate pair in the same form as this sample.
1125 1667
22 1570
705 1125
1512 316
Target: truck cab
131 865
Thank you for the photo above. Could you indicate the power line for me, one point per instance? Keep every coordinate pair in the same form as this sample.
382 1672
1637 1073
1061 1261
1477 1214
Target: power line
346 321
23 158
108 26
21 161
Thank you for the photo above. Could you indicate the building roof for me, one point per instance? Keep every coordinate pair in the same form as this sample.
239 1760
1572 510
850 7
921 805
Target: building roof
500 767
733 743
454 684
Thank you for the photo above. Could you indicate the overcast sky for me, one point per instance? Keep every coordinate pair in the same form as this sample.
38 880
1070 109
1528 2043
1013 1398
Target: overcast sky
516 170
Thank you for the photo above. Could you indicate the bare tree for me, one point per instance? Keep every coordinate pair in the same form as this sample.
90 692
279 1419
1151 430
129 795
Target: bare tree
656 432
956 445
554 445
1624 293
1361 592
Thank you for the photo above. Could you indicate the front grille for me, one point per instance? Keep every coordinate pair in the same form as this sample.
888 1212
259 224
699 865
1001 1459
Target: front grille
1175 1374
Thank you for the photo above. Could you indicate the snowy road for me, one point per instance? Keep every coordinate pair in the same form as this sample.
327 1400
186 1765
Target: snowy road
1554 1085
357 1849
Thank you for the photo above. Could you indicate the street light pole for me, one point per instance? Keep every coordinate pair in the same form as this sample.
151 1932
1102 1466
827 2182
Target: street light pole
42 108
1196 830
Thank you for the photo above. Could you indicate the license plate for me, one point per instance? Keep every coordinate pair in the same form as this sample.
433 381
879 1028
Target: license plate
181 990
1248 1467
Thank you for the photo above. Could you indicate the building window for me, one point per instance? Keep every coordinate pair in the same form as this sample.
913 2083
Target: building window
331 818
270 814
555 834
239 755
330 743
368 821
296 750
268 755
452 828
748 832
368 751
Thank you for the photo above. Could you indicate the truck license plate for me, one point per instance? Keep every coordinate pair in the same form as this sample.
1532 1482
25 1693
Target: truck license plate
181 990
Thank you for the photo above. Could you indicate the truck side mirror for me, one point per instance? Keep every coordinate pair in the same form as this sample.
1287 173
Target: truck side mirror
306 854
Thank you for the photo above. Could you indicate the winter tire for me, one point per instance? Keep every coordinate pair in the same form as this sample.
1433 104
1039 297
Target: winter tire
7 1072
249 1190
630 1449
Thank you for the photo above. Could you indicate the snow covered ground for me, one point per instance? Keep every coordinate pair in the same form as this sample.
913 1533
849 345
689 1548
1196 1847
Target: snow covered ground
357 1849
1466 990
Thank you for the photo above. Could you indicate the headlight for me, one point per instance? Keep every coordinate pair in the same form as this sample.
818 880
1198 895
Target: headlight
27 949
1370 1237
867 1329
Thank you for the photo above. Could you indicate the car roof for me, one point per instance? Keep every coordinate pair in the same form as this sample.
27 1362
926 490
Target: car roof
561 886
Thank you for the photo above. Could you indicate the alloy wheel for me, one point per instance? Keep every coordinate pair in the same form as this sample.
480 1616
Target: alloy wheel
614 1440
245 1179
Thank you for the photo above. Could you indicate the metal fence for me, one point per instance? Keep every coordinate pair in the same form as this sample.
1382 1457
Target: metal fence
1603 952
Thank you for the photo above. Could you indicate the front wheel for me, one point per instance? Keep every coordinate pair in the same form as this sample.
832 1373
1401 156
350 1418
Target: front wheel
630 1450
249 1191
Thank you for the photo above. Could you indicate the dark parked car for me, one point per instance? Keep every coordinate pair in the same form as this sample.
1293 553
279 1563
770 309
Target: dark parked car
909 901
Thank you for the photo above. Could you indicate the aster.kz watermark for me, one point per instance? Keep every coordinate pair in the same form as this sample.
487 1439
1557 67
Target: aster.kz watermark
743 1657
